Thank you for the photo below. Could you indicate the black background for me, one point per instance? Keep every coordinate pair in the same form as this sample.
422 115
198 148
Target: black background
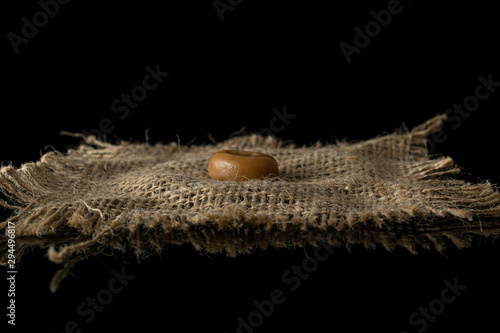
230 74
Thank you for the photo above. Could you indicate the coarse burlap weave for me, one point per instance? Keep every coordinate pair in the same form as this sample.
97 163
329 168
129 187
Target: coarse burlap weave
140 197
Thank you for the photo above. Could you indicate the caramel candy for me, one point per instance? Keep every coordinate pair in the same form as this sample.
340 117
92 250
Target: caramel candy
240 165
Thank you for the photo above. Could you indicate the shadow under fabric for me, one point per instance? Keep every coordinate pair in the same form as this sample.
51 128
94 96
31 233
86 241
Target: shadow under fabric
139 197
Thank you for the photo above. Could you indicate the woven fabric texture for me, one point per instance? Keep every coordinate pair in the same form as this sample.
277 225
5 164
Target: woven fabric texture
139 197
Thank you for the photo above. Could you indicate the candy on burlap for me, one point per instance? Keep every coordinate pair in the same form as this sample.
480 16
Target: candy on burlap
140 197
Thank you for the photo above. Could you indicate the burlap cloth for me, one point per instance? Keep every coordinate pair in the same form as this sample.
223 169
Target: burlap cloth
139 197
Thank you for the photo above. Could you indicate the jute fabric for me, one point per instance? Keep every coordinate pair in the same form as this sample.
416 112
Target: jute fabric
138 197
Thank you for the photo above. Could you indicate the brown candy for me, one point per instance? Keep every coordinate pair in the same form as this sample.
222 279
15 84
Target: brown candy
240 165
